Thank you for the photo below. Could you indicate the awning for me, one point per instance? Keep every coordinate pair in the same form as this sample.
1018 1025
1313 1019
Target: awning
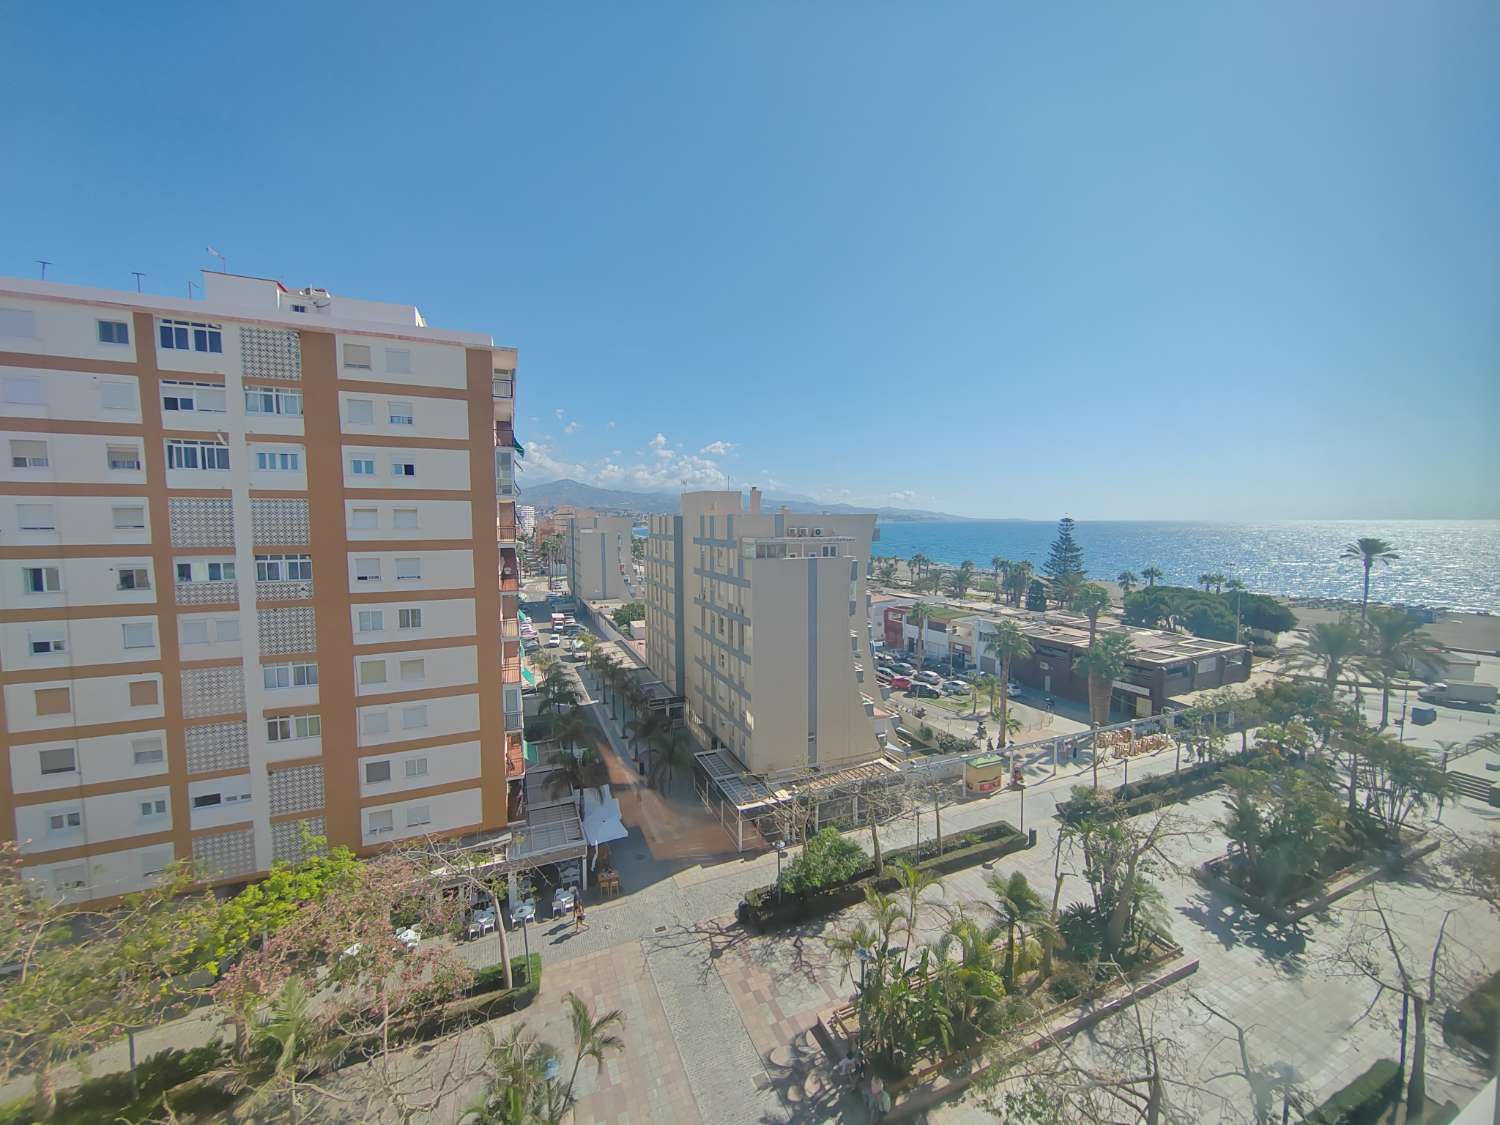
1134 689
519 448
527 676
528 751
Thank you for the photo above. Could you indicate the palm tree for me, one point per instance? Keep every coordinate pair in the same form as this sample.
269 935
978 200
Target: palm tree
643 726
1006 645
1393 641
988 685
1020 908
1128 582
1205 580
1068 587
1102 662
592 1038
1332 646
1000 565
1017 579
962 578
518 1091
1368 551
284 1047
918 564
911 886
1091 601
671 750
917 617
1151 574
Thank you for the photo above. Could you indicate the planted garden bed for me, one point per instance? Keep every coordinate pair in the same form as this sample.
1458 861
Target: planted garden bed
1151 793
765 910
1363 1100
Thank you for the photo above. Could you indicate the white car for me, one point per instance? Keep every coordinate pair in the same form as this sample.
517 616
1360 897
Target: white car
929 677
554 641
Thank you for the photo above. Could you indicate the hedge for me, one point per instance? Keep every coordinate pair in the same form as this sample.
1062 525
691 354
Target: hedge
1161 789
1477 1018
762 910
1363 1100
108 1098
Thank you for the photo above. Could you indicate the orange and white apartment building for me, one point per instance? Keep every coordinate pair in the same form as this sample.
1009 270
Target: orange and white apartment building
257 575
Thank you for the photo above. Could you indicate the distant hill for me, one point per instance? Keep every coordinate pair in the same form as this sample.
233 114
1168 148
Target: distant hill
556 493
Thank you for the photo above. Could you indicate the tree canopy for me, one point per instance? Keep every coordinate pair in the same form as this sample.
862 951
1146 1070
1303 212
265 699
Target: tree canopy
1065 556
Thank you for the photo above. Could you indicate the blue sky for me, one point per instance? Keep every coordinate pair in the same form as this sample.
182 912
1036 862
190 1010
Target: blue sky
1161 261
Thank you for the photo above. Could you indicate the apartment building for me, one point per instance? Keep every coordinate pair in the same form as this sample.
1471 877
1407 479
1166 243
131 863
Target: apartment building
248 580
766 614
526 520
596 553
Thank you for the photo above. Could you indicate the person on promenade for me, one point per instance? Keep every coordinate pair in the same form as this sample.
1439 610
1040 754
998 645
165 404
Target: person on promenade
579 924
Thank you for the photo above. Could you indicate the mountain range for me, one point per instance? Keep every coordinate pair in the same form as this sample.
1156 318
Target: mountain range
556 493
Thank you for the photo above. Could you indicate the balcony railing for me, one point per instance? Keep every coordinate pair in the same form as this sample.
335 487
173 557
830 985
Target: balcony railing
510 629
510 571
510 669
287 590
208 593
505 435
515 755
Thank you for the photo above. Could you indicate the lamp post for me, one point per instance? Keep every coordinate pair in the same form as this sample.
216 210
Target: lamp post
780 847
865 956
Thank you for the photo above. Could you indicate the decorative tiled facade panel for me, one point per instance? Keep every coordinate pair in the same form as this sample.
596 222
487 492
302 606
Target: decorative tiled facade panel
287 629
217 746
296 789
208 593
212 691
225 853
201 521
279 523
270 353
288 843
296 589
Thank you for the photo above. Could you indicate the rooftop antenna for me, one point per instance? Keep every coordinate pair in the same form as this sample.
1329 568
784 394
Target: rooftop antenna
44 264
223 261
138 275
191 283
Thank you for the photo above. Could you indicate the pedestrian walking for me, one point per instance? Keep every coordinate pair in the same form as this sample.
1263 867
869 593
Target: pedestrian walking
579 922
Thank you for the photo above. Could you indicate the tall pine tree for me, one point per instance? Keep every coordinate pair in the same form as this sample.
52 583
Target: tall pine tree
1065 559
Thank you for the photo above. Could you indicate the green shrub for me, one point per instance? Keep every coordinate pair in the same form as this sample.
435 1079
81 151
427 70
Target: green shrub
491 978
1363 1100
630 611
1477 1018
109 1098
1071 979
826 859
1265 652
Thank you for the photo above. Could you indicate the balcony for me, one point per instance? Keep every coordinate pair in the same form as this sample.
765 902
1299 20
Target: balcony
505 435
510 571
515 755
208 593
510 666
287 590
505 525
510 629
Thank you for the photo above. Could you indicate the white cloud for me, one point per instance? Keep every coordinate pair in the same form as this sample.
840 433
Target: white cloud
664 471
717 448
658 442
571 428
559 412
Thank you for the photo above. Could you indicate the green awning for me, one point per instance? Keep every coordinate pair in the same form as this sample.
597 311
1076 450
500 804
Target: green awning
527 676
528 750
520 449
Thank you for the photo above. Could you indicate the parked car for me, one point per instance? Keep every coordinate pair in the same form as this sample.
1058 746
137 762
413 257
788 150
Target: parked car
921 690
900 683
554 641
955 687
1014 687
902 668
928 677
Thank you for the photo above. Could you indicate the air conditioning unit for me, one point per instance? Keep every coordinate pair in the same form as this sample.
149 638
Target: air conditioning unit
817 531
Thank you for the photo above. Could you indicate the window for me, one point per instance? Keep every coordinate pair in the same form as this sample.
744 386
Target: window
124 457
360 411
153 808
409 618
359 466
380 822
139 634
290 727
403 469
299 308
114 332
398 361
278 462
188 454
117 396
226 629
17 322
269 400
144 693
133 578
367 570
45 644
376 772
130 518
28 455
64 821
400 413
42 579
23 391
414 718
147 752
64 759
408 568
364 519
371 621
54 701
36 517
181 335
276 676
201 571
406 518
372 671
504 382
357 356
374 722
208 800
418 815
413 671
283 568
194 632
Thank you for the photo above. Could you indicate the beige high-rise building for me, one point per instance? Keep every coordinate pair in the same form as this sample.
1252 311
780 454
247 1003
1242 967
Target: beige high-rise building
596 551
257 574
764 612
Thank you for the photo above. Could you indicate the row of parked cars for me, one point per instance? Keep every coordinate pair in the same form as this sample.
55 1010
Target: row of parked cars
898 675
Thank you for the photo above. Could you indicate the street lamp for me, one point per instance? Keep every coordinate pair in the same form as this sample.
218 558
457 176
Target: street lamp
865 957
780 847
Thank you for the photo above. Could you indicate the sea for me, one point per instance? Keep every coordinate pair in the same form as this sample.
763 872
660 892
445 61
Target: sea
1444 564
